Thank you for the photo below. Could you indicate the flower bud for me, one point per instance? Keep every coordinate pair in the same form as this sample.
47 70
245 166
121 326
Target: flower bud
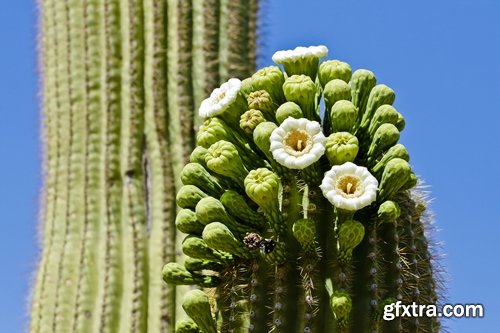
186 326
301 60
219 237
301 90
270 79
288 109
388 212
336 90
246 87
385 114
195 247
412 182
210 210
237 207
351 234
223 158
341 147
250 119
396 151
386 136
177 274
197 306
362 82
186 222
188 196
198 265
332 70
379 95
262 186
198 156
195 174
261 100
213 130
343 116
396 174
261 136
341 305
304 231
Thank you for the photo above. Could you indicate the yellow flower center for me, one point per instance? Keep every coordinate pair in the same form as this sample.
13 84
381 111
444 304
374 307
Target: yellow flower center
349 186
297 142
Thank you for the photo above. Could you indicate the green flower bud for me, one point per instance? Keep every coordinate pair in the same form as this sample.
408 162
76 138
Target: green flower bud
288 109
261 100
388 212
351 233
198 156
246 87
270 79
186 326
278 255
195 247
223 158
341 305
197 306
261 136
301 89
396 151
332 70
237 207
189 195
362 82
412 182
336 90
177 274
220 238
400 124
379 95
343 116
385 114
195 174
262 186
213 130
198 265
250 119
186 222
386 136
341 147
396 174
210 210
304 231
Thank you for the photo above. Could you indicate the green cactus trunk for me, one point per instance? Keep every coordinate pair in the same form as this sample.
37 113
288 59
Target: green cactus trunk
298 222
121 82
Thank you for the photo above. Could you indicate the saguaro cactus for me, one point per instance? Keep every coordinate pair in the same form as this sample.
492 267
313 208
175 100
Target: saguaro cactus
121 79
301 222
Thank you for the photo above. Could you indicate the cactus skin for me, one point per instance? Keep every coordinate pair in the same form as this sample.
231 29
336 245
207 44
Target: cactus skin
312 263
121 81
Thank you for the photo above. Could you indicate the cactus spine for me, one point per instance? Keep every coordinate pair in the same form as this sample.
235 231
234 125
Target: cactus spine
325 229
121 81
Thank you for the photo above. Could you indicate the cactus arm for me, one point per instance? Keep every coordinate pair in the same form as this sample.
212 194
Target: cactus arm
224 39
69 269
160 183
211 33
238 39
198 57
87 285
56 160
133 315
106 316
252 31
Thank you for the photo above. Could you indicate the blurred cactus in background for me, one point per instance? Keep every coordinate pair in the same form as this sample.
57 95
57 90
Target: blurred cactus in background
299 220
120 83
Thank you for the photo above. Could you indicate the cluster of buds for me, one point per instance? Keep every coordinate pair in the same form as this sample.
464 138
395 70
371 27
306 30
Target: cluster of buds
291 168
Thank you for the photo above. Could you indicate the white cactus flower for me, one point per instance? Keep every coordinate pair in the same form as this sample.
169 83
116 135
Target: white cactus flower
297 143
300 52
220 99
349 187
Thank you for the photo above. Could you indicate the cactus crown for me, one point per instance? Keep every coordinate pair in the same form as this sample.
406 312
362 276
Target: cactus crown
296 203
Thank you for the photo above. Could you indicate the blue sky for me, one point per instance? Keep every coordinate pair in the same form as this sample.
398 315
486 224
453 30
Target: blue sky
441 58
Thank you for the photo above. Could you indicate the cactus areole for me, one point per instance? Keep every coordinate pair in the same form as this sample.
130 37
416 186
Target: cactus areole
303 219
